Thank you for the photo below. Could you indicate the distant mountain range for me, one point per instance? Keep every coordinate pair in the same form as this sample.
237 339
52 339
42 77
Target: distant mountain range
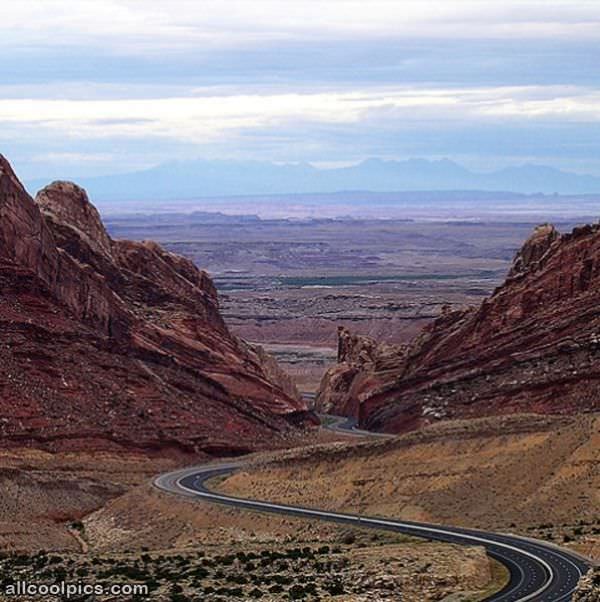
201 179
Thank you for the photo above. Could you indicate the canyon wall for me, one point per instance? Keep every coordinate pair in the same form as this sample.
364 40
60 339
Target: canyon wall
532 346
111 344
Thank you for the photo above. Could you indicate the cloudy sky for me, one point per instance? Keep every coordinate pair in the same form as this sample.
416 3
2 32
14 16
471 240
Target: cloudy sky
98 86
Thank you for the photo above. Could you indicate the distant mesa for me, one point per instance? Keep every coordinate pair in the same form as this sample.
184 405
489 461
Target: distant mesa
532 347
114 344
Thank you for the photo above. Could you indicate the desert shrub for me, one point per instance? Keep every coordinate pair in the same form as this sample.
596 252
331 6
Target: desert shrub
348 538
176 594
335 587
230 592
199 572
296 592
282 579
152 584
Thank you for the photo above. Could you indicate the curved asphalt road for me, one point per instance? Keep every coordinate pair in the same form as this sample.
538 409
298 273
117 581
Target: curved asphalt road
348 426
538 571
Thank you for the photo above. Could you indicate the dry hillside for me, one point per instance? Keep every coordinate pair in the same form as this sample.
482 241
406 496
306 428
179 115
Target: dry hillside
530 474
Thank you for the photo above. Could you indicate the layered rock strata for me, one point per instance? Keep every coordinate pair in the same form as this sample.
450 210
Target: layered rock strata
533 346
117 344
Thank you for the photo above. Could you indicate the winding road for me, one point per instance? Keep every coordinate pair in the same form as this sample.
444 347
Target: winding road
538 571
348 426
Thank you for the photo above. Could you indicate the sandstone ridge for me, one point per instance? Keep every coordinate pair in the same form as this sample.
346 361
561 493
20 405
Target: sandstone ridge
111 344
533 346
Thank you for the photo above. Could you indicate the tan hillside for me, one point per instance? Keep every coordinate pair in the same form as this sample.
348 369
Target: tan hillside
528 474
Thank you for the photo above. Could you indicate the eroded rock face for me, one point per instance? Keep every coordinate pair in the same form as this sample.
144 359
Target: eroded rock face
344 385
533 346
120 344
67 204
534 250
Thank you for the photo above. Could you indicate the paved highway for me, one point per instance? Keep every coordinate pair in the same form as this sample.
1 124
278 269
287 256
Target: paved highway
539 571
348 426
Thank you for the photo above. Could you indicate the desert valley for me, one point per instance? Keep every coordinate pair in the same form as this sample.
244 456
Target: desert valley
231 336
300 301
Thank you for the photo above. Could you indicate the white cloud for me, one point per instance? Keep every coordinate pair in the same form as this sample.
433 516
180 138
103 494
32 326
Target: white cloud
204 118
151 26
77 158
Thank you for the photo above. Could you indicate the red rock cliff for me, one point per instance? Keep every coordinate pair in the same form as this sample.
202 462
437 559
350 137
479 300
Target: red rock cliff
533 346
120 344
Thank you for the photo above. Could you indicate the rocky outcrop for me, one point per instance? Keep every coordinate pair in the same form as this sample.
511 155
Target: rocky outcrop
120 344
340 385
65 203
359 360
533 346
534 250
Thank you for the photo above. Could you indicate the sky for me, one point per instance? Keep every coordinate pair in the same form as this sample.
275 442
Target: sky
92 87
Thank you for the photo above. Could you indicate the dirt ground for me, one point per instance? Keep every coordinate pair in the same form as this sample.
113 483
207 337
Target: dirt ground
533 475
86 517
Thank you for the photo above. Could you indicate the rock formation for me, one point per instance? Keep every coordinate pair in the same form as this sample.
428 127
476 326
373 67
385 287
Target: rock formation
115 344
534 250
533 346
359 357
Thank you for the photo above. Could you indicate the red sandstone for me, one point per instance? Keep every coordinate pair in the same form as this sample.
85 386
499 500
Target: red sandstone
533 346
118 344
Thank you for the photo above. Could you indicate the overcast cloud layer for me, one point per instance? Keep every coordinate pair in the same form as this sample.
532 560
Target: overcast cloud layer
95 87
